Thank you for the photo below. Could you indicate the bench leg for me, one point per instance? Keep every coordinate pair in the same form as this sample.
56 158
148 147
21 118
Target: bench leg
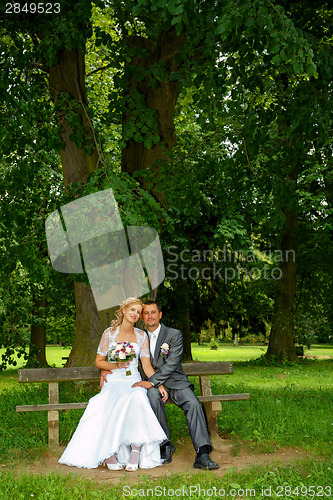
212 410
53 415
53 423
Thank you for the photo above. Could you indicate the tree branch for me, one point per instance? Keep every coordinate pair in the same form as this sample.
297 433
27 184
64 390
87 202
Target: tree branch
102 68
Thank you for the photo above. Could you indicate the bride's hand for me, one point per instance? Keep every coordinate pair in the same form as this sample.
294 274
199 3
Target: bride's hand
164 393
123 364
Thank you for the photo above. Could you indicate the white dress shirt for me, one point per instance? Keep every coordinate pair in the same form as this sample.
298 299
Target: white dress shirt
153 338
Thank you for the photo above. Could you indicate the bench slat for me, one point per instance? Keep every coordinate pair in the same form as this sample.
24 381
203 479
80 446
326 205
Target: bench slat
51 407
58 374
224 397
209 368
80 406
71 374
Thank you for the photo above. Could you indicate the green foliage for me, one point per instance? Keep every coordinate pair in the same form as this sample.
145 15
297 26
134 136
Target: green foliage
305 331
213 345
26 274
137 206
253 112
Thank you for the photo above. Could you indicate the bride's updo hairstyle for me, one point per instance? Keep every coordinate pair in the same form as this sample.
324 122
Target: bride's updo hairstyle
120 312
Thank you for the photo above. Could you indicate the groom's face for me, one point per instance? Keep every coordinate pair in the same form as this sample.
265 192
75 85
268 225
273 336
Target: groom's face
151 316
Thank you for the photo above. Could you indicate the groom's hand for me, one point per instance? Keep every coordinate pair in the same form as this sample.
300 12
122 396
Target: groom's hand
103 378
164 393
143 383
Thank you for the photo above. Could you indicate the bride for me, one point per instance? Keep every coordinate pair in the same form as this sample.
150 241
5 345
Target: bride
119 426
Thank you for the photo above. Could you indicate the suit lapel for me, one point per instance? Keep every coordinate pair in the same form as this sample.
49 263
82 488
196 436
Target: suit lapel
159 342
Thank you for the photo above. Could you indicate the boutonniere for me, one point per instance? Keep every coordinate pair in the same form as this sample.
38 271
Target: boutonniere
164 350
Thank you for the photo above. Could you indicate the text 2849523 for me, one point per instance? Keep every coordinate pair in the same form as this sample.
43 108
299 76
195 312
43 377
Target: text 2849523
32 8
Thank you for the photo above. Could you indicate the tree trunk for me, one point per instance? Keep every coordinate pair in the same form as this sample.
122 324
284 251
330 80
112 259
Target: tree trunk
153 294
37 352
281 340
88 319
184 324
67 90
161 99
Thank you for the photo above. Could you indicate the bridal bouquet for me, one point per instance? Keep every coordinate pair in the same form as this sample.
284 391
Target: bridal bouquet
122 351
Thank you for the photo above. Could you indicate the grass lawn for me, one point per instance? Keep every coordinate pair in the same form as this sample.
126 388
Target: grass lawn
281 376
54 355
229 352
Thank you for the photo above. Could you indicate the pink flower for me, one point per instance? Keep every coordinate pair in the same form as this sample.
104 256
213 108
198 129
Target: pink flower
122 351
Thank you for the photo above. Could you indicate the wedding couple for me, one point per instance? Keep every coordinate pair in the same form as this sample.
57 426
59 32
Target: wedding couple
125 424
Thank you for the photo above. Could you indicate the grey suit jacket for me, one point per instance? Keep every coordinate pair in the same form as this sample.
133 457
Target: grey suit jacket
169 371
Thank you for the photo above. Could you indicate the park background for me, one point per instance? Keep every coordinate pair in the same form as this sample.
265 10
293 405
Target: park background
211 122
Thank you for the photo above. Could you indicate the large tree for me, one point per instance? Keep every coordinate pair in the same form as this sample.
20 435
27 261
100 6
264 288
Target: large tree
298 125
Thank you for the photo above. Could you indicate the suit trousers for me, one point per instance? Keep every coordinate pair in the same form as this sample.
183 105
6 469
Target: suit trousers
189 403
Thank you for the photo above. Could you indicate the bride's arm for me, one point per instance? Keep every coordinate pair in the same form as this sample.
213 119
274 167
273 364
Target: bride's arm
105 366
147 367
102 364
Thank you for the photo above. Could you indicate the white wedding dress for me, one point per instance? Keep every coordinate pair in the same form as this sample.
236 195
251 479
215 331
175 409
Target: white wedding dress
117 417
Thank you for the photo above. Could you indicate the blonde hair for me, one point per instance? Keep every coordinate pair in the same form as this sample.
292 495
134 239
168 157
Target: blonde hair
120 312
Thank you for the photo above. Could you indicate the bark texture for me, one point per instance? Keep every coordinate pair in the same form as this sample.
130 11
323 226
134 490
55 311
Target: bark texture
66 79
281 340
162 98
89 326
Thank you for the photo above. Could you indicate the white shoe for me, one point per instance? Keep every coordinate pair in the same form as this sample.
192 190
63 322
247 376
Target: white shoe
131 467
114 464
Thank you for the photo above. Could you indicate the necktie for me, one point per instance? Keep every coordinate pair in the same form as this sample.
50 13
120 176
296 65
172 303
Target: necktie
153 338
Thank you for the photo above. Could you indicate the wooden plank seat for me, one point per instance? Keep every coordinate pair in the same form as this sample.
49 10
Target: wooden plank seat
204 370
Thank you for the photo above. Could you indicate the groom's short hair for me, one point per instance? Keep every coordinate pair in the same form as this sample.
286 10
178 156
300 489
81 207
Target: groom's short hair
149 302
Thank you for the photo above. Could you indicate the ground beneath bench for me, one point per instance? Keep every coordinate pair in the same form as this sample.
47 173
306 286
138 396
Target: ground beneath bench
182 462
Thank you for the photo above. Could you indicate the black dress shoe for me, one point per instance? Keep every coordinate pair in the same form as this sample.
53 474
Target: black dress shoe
204 462
166 453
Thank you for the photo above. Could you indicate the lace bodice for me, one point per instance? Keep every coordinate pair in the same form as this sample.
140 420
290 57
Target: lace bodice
109 339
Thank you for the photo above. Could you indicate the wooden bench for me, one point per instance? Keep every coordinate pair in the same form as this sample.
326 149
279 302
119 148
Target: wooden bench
210 401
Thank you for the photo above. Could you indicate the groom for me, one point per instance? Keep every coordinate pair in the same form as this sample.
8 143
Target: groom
166 348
